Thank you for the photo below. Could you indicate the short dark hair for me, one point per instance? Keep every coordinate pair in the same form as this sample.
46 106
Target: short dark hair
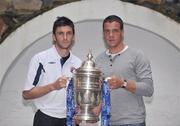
63 21
112 18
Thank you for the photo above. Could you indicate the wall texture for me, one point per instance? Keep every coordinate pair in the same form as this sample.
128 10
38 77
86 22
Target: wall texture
156 35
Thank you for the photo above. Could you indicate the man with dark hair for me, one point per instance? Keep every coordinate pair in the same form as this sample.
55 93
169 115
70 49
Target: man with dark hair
129 73
48 76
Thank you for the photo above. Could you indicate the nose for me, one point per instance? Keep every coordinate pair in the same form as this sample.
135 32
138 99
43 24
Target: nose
111 33
65 36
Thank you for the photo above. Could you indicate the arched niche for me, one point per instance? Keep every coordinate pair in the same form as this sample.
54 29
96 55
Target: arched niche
155 34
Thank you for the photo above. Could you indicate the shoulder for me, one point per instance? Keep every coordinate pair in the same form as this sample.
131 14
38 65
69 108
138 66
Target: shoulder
134 52
76 59
41 56
138 55
101 56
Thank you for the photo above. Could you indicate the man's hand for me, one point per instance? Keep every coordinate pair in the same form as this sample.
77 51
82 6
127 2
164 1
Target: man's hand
59 83
97 109
115 82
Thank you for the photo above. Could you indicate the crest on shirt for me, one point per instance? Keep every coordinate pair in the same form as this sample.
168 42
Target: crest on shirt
51 62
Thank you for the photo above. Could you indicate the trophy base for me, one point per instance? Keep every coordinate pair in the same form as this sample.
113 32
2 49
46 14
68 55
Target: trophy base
87 118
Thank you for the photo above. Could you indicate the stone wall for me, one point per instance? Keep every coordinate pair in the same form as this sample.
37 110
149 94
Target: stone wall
14 13
170 8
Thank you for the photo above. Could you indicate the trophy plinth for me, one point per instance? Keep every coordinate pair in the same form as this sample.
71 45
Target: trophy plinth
87 89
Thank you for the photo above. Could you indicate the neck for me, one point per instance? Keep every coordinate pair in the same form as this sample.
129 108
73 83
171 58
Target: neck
62 52
116 49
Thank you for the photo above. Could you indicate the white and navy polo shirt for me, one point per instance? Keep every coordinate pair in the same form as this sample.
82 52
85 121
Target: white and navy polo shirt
45 67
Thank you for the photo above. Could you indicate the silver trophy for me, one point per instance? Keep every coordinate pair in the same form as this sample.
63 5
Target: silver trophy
87 89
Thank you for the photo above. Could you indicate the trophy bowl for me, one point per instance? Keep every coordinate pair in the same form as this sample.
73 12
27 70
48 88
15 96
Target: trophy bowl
87 89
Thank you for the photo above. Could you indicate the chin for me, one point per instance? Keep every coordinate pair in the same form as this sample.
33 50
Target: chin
66 47
112 45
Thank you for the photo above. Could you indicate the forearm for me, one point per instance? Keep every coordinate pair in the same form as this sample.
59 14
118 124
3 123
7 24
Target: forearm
145 88
37 92
131 86
117 82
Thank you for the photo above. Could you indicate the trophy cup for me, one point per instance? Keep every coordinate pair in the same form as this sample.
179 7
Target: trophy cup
87 89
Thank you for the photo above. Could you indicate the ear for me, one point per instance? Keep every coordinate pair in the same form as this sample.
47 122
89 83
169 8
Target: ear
73 39
54 37
122 34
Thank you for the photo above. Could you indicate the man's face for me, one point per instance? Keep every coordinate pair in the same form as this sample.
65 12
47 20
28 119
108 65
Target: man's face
63 37
113 35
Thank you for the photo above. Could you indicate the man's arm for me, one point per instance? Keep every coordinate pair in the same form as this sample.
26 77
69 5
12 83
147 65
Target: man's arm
117 82
39 91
